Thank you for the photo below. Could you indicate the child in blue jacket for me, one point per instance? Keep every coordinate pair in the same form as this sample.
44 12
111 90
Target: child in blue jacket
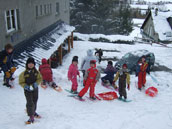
109 71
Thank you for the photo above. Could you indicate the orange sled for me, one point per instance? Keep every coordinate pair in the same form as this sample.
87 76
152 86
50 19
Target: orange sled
151 91
108 95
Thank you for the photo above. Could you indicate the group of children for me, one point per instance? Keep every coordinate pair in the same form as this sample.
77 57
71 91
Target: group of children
30 78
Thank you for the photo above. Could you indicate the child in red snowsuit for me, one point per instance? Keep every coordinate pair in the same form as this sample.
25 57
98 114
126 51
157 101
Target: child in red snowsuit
90 79
141 72
47 75
72 74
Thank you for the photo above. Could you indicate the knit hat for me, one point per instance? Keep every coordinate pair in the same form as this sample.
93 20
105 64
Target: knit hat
110 63
30 60
8 46
93 62
75 58
124 65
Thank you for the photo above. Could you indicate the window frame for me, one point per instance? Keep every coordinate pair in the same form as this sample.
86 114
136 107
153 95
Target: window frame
12 23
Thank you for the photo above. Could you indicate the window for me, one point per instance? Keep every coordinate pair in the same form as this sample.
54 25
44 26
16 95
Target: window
11 18
37 11
50 8
41 11
57 8
45 9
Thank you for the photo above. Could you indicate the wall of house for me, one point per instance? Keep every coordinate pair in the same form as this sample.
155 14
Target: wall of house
30 19
149 30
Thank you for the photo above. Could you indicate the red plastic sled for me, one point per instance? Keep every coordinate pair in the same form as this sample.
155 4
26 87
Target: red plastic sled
151 91
108 95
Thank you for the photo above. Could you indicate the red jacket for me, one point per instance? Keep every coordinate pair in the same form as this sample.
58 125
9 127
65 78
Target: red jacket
92 74
46 71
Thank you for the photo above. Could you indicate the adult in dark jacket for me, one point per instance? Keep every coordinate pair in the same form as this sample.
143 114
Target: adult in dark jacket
29 80
99 53
109 71
7 64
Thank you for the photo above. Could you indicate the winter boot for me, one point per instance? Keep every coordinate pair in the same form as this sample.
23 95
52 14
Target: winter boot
36 115
31 120
80 97
93 98
120 97
75 92
140 89
7 85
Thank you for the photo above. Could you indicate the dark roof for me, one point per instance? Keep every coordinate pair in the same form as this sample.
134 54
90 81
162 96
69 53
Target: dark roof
42 40
146 19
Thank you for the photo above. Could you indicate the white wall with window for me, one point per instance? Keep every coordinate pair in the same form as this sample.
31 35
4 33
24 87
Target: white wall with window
11 19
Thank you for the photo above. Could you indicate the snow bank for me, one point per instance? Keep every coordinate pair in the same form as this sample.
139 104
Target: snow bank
110 38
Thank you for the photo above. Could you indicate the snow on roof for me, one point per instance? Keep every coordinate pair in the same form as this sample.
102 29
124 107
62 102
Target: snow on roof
161 24
139 53
111 38
44 46
138 6
155 1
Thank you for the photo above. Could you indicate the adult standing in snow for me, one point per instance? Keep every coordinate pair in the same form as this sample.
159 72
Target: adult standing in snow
29 80
124 77
141 69
99 53
85 65
7 64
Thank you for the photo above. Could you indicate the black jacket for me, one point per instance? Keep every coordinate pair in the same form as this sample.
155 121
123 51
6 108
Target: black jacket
6 60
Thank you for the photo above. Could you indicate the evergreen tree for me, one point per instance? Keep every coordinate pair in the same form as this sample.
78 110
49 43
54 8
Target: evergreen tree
98 16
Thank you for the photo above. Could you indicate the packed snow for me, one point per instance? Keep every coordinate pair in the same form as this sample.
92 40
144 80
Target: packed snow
59 111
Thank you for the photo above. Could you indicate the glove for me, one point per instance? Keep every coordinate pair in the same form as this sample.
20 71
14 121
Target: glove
7 74
95 81
35 85
13 69
148 72
84 82
26 87
136 74
128 87
113 83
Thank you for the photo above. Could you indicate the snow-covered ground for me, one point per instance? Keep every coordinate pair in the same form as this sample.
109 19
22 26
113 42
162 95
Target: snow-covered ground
59 111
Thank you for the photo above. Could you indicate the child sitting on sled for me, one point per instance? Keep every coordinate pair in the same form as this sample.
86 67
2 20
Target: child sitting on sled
124 77
47 76
91 77
73 72
109 71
